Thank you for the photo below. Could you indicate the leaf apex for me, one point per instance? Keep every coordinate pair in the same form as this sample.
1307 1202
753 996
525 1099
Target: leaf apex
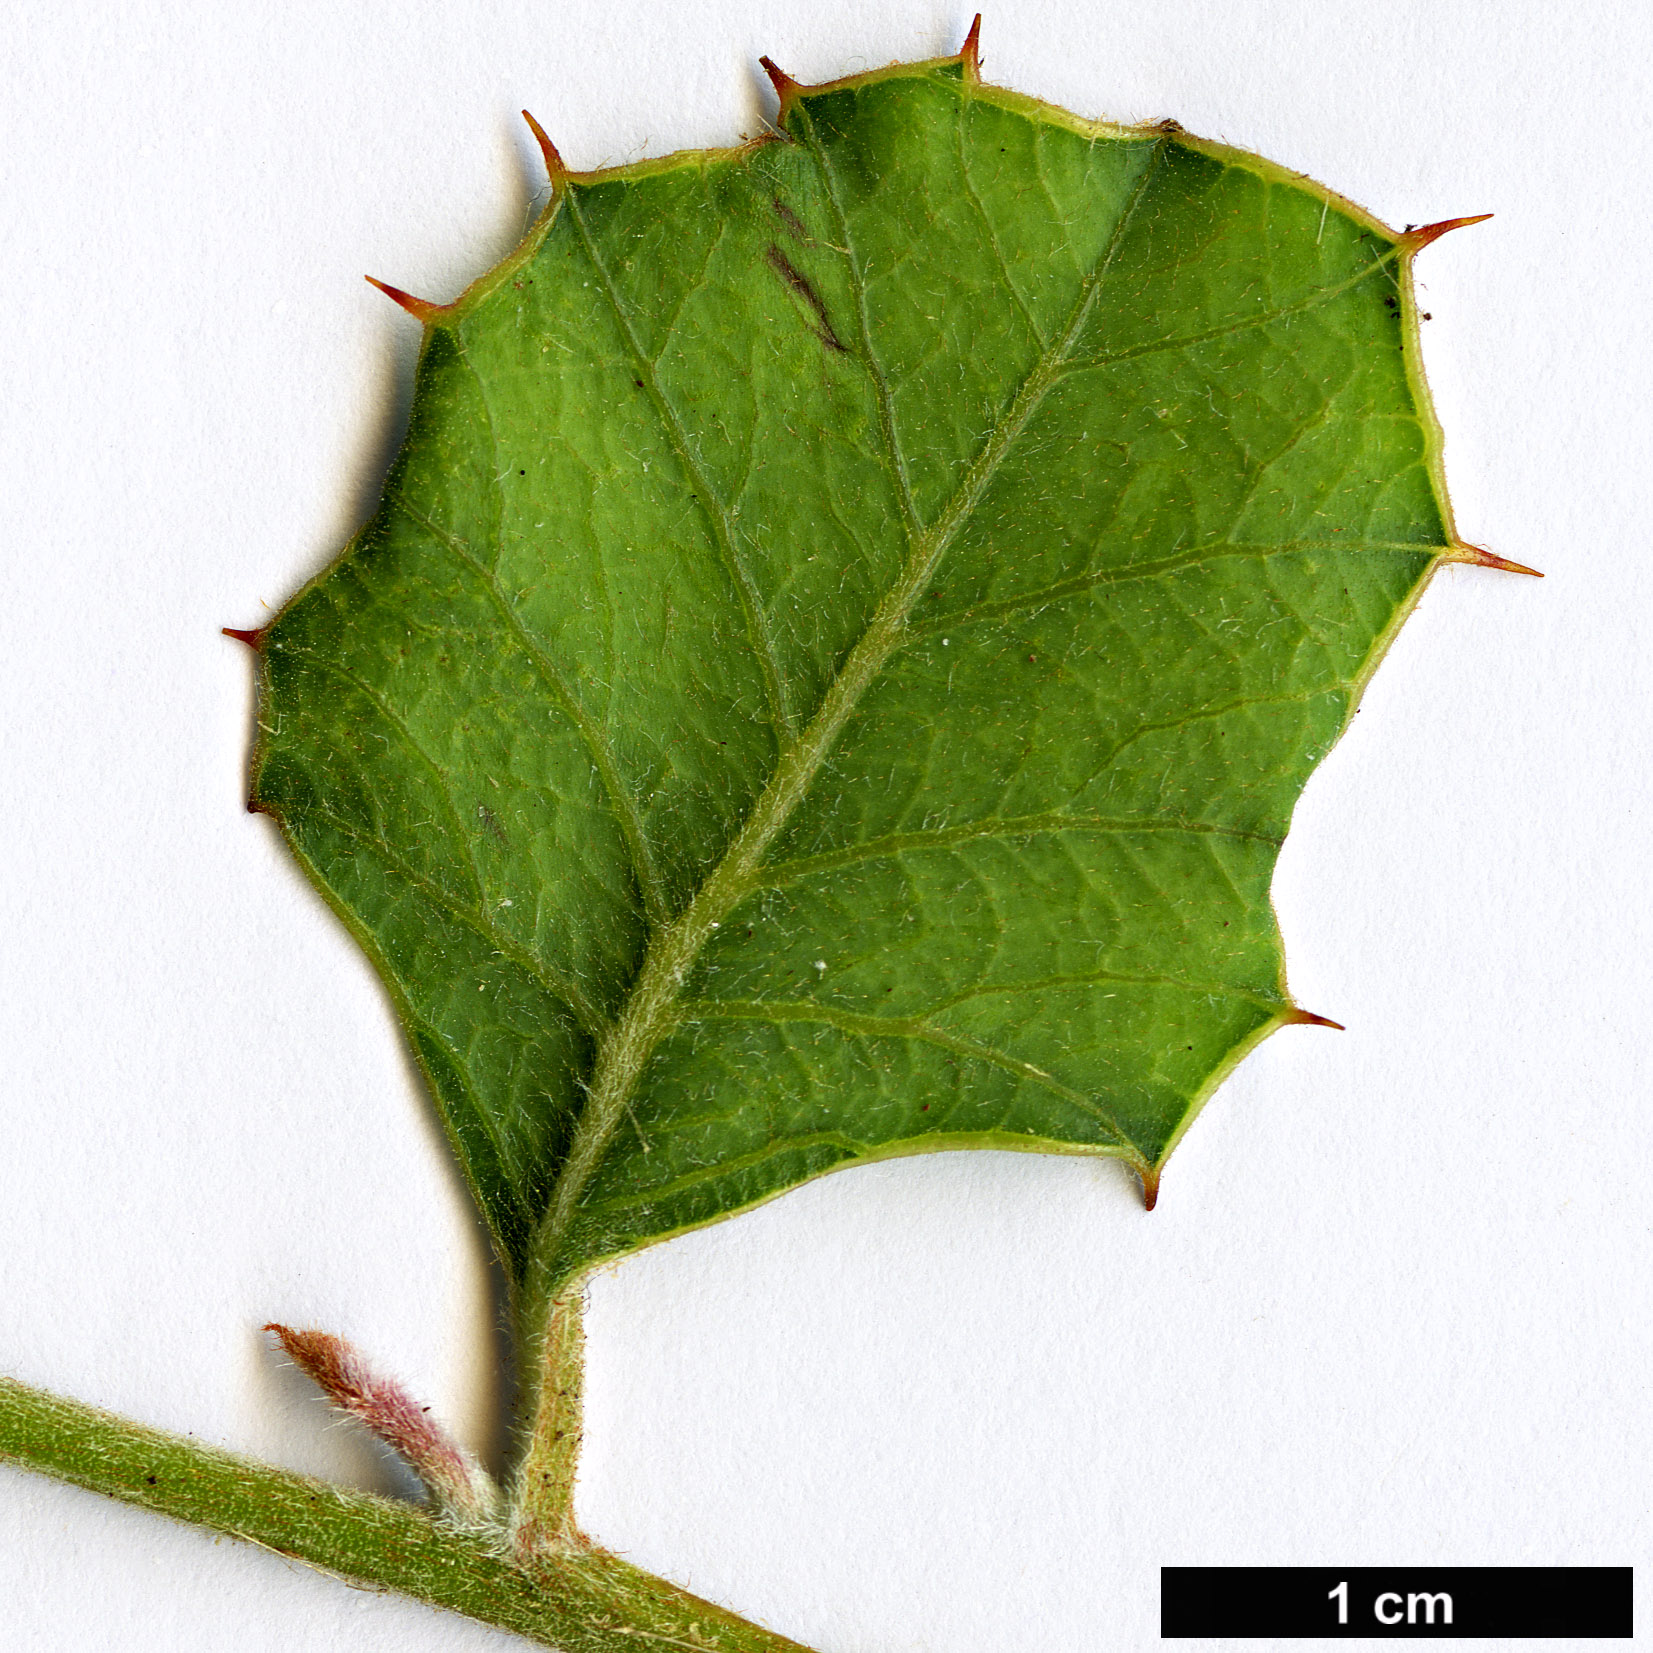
1474 556
1417 237
421 309
254 640
970 52
555 167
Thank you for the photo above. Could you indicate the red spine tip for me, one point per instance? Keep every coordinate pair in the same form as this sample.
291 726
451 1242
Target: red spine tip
970 52
1475 557
786 88
253 639
421 309
1298 1017
1150 1186
1417 239
554 167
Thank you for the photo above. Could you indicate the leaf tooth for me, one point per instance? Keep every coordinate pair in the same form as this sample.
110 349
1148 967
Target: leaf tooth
1418 236
786 88
1150 1184
253 639
970 53
421 309
555 167
1297 1016
1474 556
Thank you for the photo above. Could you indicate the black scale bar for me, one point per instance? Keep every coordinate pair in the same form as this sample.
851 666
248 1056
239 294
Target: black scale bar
1291 1602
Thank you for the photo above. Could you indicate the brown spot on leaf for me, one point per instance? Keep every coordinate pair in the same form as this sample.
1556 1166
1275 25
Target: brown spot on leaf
800 284
794 224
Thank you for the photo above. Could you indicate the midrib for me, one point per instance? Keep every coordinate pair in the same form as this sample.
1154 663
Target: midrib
648 1013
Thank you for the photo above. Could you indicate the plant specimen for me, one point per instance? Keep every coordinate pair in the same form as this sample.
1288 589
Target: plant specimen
828 678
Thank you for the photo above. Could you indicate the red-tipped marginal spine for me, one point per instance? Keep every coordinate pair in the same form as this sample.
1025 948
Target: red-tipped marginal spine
1297 1016
786 88
555 168
1414 239
253 639
1476 557
421 309
1419 237
970 53
1150 1185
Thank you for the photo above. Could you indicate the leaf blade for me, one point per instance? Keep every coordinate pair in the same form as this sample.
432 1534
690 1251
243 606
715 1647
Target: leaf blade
947 558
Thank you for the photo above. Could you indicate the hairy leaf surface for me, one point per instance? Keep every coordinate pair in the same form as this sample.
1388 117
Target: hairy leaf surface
840 646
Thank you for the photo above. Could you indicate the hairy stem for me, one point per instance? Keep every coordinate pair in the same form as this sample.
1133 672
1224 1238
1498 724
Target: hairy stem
542 1518
582 1600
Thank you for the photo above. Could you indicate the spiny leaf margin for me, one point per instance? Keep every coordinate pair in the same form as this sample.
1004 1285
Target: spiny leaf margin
512 1229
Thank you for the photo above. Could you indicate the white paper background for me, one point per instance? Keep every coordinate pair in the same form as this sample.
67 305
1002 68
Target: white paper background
1394 1306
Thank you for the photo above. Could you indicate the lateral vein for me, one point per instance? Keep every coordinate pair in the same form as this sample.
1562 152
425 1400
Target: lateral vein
777 873
898 1027
419 754
1120 573
1244 324
559 986
596 743
746 591
881 386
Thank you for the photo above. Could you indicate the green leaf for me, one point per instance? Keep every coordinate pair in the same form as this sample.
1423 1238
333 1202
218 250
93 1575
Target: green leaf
841 644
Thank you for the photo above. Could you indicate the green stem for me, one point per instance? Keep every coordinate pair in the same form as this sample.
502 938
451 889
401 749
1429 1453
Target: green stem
581 1599
543 1513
